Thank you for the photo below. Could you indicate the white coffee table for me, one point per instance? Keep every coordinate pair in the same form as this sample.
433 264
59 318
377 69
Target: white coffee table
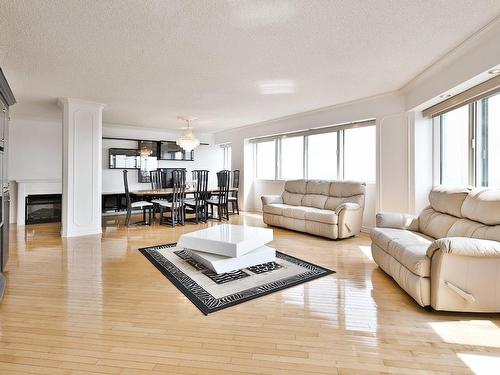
229 247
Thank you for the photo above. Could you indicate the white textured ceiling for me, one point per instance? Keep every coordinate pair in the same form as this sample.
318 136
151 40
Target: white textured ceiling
230 63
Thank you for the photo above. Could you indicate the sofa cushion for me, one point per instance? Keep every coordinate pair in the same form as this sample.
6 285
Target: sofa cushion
448 200
314 200
274 208
408 248
296 186
318 187
416 286
333 202
322 216
487 232
483 205
346 188
464 228
297 212
292 199
435 224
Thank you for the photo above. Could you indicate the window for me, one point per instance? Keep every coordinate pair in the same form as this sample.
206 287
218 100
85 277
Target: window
359 154
346 153
454 147
226 157
488 145
266 160
322 156
292 158
470 144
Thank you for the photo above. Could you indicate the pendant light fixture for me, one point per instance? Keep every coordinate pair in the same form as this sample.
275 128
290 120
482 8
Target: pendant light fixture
187 140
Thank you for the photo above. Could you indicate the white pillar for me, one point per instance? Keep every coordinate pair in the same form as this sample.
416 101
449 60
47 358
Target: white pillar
82 163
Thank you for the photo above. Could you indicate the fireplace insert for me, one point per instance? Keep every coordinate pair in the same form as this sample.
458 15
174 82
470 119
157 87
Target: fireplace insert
43 208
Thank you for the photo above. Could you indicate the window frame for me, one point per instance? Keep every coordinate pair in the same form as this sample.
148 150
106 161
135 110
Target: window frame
478 126
339 129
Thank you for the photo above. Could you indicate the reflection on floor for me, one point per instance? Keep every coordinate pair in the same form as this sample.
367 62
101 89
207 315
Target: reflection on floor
92 305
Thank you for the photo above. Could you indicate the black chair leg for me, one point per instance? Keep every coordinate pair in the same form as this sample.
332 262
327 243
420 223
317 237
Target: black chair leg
127 219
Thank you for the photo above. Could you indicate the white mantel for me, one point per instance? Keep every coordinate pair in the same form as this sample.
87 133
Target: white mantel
33 187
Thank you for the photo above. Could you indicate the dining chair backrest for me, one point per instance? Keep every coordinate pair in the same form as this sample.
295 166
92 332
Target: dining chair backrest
178 187
200 179
223 178
167 176
156 179
125 185
236 178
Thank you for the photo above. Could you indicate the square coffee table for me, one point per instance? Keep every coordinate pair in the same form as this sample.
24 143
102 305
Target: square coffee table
228 247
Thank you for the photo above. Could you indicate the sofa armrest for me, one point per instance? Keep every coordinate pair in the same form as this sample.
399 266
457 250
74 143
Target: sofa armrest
464 246
347 206
268 199
350 218
464 272
396 221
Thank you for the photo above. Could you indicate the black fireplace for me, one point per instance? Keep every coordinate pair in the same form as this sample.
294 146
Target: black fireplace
43 208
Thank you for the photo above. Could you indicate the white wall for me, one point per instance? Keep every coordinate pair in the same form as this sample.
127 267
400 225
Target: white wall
35 150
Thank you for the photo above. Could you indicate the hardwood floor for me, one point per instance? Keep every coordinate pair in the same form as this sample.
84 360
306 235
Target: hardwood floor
90 305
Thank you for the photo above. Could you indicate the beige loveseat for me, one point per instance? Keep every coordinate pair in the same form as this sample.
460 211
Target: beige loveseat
449 256
332 209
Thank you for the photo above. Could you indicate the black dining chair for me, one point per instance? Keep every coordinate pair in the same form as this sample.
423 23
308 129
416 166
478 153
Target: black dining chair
156 179
220 200
176 207
198 204
145 206
233 195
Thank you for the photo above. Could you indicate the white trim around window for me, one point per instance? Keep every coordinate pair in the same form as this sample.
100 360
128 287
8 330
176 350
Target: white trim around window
264 171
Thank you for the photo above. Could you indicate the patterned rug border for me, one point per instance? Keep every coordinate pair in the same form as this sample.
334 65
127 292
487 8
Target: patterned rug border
204 308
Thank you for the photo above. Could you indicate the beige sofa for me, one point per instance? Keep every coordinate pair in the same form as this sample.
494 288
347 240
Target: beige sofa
332 209
449 256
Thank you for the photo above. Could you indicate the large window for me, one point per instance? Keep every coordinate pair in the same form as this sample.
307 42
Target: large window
488 149
359 154
343 152
226 157
454 147
469 139
292 158
322 156
266 160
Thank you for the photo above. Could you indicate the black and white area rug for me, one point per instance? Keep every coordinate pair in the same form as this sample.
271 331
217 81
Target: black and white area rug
211 292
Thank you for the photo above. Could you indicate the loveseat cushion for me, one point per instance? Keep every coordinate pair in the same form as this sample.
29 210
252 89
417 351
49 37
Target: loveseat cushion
297 212
346 188
435 224
448 200
322 216
483 205
314 200
318 187
333 202
274 208
407 247
296 186
293 199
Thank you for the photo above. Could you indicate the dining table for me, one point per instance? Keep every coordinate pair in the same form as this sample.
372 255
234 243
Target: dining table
170 191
